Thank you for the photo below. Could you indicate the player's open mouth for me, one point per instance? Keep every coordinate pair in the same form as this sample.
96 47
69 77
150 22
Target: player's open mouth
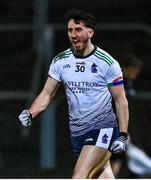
76 43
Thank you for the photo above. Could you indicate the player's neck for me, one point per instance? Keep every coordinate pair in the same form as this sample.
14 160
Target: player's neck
89 49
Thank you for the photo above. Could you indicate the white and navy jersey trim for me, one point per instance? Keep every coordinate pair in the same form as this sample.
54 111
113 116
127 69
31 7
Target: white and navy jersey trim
86 81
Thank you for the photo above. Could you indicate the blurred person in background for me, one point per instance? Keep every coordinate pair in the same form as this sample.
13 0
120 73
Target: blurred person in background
131 67
138 156
91 78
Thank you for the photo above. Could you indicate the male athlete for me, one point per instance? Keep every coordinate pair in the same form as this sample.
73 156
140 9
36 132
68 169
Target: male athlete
91 78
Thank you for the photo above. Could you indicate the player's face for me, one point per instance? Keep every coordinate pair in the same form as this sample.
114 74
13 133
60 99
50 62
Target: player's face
79 35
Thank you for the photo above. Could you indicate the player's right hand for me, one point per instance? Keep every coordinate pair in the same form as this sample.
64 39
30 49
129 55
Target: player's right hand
25 118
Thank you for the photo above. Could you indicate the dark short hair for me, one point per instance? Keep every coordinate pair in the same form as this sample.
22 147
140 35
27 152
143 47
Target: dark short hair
79 15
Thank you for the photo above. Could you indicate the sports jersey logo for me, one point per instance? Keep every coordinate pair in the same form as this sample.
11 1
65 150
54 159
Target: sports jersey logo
93 68
105 139
66 66
81 87
81 63
89 139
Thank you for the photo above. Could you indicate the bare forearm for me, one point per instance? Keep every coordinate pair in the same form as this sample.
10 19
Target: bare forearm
45 97
40 104
122 114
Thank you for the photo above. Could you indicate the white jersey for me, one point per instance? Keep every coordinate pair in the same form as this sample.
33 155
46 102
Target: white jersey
86 80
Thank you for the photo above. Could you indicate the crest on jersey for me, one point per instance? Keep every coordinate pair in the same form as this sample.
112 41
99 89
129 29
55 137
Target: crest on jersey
94 68
105 138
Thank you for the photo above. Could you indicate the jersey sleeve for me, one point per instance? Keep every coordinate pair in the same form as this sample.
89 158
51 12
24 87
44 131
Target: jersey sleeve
54 71
114 75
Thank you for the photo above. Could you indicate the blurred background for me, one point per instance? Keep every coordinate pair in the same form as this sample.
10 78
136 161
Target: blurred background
31 33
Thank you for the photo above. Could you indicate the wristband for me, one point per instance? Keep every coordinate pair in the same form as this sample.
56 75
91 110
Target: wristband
124 134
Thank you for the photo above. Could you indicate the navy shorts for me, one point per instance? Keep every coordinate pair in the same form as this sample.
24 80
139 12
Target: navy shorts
100 137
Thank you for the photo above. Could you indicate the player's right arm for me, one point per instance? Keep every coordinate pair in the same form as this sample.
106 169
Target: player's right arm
41 103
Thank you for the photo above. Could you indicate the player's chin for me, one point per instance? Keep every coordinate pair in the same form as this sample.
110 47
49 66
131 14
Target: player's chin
76 47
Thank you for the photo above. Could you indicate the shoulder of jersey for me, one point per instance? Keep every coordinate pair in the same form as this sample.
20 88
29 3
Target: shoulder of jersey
63 55
104 56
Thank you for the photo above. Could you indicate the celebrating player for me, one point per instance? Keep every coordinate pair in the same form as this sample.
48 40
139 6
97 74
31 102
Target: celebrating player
91 78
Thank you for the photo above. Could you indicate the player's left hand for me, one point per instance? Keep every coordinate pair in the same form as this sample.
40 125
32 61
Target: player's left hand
119 145
25 118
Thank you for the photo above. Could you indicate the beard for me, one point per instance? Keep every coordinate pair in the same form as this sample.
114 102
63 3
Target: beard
80 46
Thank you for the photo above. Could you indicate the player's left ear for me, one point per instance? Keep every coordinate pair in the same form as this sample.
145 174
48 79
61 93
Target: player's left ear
91 33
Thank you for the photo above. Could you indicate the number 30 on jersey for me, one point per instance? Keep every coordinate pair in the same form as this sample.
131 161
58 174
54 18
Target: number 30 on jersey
80 68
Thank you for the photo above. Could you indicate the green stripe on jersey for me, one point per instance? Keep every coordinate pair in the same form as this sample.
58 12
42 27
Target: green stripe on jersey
104 57
62 55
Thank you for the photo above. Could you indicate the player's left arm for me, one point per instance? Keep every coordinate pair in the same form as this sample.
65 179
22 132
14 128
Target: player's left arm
121 104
